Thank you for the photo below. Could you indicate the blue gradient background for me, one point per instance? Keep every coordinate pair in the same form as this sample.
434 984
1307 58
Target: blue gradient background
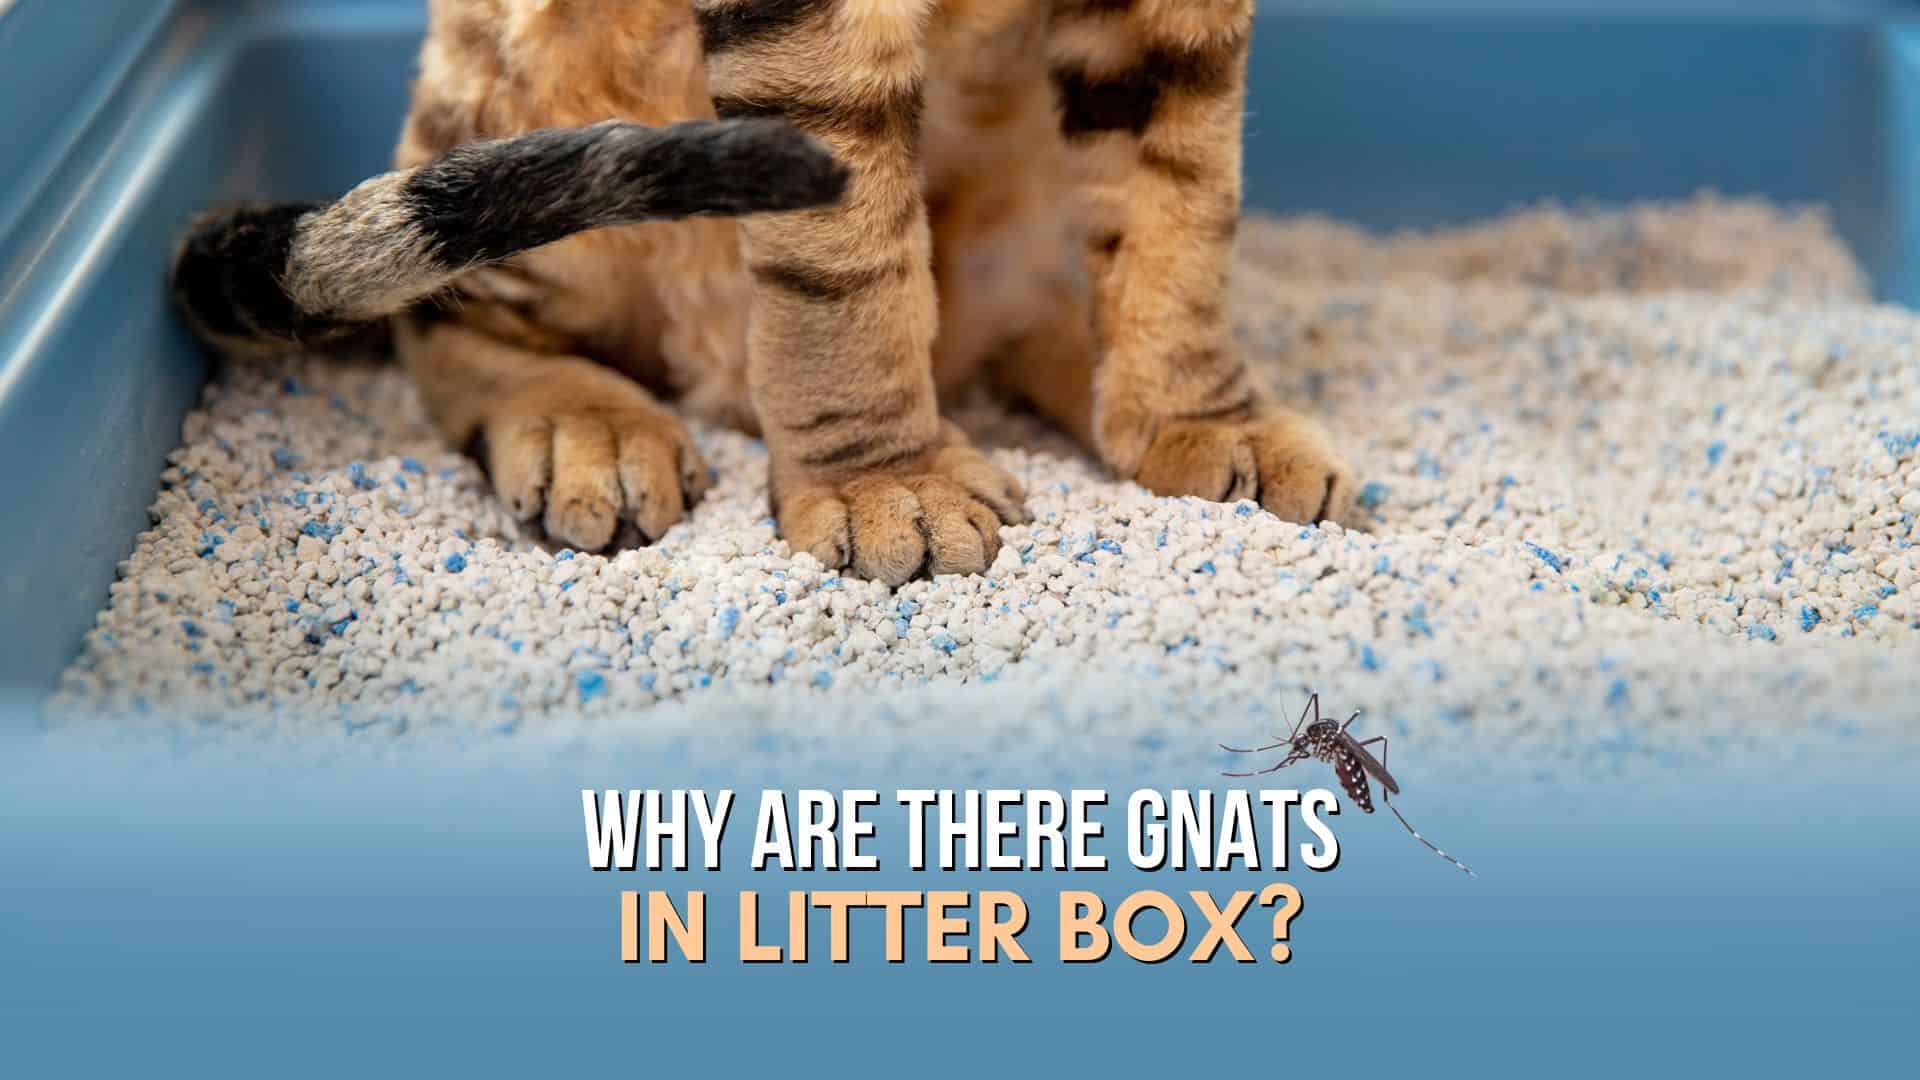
1752 914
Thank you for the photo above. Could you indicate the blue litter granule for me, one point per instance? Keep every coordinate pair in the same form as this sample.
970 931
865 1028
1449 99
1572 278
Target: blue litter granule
1553 561
1373 495
1715 451
412 465
1899 444
729 621
285 458
591 684
1243 508
320 530
945 643
1761 631
900 626
1866 611
203 668
455 563
907 609
1111 547
1417 620
341 626
357 473
1425 465
192 628
1207 567
779 597
1617 694
1369 661
1382 565
564 556
1809 618
208 542
293 606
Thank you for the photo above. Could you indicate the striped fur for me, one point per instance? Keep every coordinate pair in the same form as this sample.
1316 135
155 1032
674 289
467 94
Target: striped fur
273 277
1039 194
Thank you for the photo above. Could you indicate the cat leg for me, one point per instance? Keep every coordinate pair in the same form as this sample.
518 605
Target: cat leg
569 442
864 473
1008 232
1151 94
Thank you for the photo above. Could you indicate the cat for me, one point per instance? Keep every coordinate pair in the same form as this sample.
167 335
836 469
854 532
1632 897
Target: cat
1038 195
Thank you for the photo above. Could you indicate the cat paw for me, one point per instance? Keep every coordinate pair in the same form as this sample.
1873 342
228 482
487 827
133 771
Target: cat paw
1281 460
582 450
939 516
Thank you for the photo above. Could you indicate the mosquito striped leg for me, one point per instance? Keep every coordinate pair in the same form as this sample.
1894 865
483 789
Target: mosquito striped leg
1415 833
1290 759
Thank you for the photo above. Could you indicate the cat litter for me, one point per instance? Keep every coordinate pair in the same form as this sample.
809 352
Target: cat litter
1636 482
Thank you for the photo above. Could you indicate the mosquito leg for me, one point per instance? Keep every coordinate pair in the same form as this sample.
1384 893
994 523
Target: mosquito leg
1313 706
1382 740
1255 750
1263 772
1415 833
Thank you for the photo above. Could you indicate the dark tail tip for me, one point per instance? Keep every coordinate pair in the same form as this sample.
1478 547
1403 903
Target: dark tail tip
805 172
226 279
766 165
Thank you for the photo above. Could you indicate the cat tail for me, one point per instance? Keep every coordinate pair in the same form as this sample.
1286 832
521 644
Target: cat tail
273 277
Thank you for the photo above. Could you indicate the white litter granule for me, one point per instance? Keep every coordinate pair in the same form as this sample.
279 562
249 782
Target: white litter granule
1636 482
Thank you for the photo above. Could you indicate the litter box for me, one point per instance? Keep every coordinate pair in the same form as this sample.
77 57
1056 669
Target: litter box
124 116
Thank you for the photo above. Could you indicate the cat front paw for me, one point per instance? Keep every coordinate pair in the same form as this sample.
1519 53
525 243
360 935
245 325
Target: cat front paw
581 450
1281 460
940 515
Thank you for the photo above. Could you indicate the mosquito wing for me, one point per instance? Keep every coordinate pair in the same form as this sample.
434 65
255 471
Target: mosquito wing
1370 763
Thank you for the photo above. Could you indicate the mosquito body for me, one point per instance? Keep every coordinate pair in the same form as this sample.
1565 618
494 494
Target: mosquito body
1353 764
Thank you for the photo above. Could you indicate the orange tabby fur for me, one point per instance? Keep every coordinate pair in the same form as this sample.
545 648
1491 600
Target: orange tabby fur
1043 196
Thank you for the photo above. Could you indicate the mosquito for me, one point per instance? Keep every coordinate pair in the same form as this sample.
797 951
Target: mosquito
1353 763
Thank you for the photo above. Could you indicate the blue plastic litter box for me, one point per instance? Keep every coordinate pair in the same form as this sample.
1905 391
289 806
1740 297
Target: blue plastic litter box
124 116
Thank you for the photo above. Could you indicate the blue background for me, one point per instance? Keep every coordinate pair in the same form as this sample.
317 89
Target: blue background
1741 915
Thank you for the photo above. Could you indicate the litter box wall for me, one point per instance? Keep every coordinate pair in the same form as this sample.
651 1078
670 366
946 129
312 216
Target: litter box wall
1386 112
